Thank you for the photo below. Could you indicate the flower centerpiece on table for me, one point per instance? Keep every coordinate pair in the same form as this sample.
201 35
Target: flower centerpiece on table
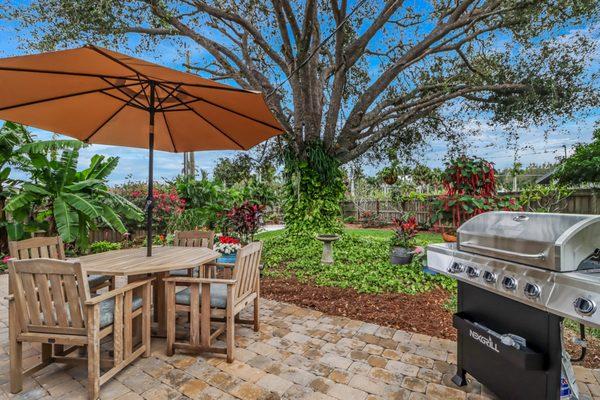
403 241
227 245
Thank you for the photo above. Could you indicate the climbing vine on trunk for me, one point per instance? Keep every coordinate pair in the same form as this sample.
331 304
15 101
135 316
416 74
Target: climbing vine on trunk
314 188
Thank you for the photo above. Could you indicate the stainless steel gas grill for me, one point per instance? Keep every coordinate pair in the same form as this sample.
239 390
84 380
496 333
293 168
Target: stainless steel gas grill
519 274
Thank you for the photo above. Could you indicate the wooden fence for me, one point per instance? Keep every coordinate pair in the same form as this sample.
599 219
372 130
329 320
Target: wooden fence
109 235
584 201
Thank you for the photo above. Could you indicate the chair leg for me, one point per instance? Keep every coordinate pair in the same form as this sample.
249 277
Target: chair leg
147 320
16 365
256 314
93 350
230 327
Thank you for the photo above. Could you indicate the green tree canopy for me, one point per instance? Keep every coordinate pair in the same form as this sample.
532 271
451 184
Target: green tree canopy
584 165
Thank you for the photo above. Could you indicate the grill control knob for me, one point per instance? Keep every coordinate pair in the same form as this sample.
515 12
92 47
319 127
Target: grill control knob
509 283
473 272
489 277
532 290
455 268
584 306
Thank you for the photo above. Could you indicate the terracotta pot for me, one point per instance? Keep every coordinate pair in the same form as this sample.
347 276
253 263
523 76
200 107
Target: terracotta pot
448 238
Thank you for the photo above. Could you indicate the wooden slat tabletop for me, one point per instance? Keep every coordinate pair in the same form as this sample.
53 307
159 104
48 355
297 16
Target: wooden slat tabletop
134 261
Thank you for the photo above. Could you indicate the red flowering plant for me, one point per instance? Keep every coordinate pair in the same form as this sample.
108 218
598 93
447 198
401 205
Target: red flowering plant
245 220
405 230
469 190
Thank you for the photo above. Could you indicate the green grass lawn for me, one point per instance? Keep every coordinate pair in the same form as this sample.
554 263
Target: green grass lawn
362 262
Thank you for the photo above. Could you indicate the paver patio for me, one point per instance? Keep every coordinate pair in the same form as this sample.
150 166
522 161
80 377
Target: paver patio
298 354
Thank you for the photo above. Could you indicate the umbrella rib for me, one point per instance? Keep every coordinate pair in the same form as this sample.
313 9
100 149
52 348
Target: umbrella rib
65 96
134 98
210 123
123 100
121 63
200 85
171 107
110 118
169 130
230 110
44 71
169 94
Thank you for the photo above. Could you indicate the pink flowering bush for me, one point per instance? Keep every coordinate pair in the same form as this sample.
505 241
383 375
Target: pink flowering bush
167 204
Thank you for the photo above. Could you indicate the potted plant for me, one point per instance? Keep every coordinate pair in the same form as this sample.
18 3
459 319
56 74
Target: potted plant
228 246
389 175
403 241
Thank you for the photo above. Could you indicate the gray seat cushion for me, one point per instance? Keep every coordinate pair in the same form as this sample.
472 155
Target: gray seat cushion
218 296
181 272
95 280
107 310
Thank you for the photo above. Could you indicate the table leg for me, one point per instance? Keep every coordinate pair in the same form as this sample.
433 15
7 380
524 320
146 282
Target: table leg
160 306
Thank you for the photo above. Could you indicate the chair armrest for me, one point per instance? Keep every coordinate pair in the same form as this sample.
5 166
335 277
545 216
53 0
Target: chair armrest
115 292
183 279
221 264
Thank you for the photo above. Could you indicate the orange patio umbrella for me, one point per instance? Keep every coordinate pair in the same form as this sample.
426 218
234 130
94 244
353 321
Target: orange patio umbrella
101 96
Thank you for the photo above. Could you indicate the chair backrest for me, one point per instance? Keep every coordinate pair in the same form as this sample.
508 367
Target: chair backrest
246 270
49 295
37 247
194 239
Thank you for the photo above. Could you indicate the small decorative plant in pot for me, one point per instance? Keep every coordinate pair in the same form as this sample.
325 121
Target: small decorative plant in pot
228 246
403 241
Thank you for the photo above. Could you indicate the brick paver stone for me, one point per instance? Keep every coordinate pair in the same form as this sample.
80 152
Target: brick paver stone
299 354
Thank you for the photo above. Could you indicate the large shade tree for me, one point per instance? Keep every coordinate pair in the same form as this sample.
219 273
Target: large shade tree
390 73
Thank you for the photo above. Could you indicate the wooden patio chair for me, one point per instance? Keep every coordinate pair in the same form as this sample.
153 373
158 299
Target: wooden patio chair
195 238
51 304
53 247
226 296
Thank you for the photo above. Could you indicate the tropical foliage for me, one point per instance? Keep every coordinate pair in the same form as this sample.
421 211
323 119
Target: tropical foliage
62 199
12 137
584 165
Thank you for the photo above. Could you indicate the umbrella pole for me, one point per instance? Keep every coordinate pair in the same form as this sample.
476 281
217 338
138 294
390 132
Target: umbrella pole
150 199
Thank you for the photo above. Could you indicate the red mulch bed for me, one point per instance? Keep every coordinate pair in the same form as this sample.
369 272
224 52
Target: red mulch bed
422 313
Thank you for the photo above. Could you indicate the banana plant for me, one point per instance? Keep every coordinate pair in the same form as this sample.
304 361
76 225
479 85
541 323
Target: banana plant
75 201
12 136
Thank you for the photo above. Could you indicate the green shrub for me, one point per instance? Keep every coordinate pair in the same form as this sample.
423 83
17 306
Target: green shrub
361 262
102 246
350 219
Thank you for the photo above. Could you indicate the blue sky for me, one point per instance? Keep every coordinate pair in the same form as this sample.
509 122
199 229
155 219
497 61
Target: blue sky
485 140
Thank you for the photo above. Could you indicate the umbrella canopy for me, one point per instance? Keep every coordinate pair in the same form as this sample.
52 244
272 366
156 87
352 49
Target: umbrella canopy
101 96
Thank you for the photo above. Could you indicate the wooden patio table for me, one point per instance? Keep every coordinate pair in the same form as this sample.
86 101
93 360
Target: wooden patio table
133 263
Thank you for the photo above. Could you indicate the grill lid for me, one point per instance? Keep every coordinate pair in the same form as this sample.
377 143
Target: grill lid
558 242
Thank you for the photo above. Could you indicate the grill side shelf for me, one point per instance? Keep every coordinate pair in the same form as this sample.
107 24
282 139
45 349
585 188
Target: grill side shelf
524 358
